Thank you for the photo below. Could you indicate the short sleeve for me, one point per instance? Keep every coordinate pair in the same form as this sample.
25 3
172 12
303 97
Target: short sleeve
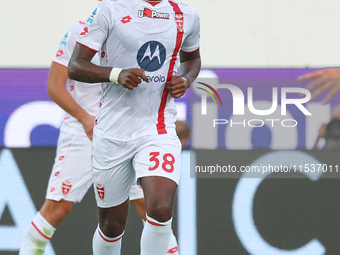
97 27
192 40
66 45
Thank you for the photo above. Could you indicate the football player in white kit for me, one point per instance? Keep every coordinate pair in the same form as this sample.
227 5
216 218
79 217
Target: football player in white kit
141 44
71 175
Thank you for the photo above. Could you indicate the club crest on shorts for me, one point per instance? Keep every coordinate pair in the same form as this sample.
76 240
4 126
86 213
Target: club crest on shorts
101 191
66 187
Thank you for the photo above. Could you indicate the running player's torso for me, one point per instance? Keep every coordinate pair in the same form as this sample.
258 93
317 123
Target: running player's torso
86 95
136 34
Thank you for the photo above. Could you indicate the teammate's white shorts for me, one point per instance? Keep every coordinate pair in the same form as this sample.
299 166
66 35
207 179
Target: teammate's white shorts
71 175
118 164
136 192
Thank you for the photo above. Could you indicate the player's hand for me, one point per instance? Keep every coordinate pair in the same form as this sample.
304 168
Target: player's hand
326 79
177 86
130 78
88 124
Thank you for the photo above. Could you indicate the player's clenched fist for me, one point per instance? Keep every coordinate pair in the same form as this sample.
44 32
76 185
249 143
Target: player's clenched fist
130 78
177 86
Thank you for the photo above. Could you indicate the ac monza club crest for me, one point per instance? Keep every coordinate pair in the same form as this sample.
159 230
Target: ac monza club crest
179 21
66 187
101 191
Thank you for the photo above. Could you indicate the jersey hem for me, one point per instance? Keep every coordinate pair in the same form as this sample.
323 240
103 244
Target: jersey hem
87 47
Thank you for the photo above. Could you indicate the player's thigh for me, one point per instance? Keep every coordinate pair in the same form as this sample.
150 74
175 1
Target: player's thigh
71 175
159 156
112 171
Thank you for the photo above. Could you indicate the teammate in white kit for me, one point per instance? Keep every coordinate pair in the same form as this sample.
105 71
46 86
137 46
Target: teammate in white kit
71 176
134 136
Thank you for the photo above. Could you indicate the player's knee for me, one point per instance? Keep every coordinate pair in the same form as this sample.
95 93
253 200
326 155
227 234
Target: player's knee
112 228
56 211
161 211
61 211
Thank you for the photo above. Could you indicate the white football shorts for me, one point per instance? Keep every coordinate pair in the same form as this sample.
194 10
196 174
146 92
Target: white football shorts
71 174
118 164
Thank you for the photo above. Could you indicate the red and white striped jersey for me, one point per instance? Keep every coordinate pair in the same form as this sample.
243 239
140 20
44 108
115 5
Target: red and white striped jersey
138 34
85 94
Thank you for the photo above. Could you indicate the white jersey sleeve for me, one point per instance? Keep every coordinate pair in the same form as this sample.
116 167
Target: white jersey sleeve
67 44
99 23
192 41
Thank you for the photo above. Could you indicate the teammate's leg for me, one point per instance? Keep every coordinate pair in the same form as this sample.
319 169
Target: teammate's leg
70 179
55 211
43 226
140 207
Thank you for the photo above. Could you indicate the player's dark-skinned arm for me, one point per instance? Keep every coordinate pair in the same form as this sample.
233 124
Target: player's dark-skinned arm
80 68
58 93
189 70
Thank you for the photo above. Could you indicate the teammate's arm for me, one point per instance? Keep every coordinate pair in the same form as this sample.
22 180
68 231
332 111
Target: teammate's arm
326 79
189 70
80 68
59 94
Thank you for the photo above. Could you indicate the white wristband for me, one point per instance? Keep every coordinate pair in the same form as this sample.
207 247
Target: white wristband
114 74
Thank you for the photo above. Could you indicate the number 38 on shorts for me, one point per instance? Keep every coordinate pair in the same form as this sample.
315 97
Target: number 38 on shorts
166 160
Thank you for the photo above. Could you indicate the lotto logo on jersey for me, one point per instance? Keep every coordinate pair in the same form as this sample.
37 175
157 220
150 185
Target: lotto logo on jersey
93 16
60 53
152 14
126 19
151 56
66 187
101 191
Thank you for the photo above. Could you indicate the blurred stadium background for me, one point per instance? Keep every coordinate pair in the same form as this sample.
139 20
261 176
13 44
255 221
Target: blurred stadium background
263 44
